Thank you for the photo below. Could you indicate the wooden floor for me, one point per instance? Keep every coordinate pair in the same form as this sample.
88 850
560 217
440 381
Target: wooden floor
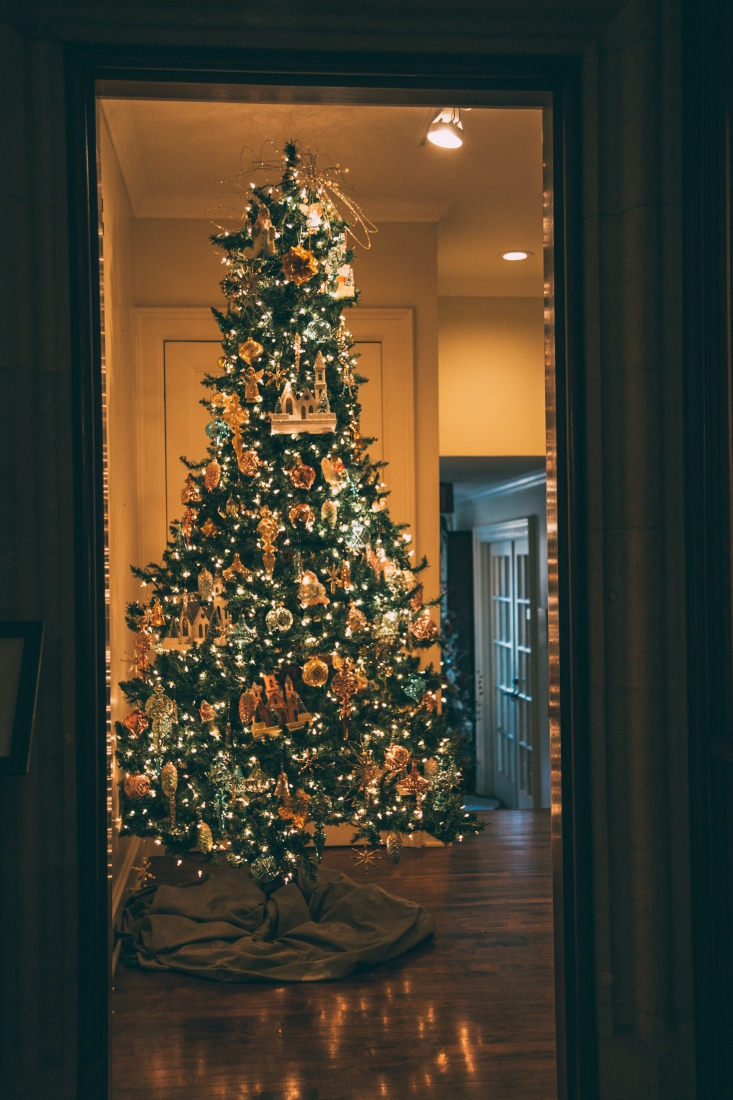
467 1015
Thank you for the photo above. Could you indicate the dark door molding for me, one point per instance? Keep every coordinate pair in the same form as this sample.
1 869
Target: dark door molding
707 110
540 81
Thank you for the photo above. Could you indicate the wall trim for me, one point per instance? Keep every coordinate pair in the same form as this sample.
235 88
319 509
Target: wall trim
513 485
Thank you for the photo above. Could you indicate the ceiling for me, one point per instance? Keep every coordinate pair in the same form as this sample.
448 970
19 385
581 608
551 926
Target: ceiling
188 159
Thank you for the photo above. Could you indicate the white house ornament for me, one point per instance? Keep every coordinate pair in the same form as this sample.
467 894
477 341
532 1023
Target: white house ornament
345 286
310 413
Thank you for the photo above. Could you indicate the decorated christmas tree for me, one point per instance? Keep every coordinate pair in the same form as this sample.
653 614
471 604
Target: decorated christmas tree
278 687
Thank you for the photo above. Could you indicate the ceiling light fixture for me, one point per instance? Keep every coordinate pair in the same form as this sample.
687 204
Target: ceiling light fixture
515 255
446 129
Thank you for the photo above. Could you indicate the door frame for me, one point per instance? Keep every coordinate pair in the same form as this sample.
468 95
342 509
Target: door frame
550 82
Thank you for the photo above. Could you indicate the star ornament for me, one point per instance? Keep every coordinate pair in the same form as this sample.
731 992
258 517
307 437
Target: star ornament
275 376
299 265
365 857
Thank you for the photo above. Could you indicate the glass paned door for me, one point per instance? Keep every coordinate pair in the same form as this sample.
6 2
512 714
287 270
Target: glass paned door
511 668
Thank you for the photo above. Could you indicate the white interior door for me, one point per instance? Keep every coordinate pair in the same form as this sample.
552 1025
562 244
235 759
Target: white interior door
507 735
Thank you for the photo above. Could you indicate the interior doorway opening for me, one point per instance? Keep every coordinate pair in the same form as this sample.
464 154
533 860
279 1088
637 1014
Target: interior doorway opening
159 283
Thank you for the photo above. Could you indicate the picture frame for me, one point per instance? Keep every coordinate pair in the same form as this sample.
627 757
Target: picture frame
21 644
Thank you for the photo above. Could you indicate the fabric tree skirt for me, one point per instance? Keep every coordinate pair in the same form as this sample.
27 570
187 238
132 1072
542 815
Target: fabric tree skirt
227 928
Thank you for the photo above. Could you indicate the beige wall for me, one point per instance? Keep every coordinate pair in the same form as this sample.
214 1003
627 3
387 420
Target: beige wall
119 321
492 376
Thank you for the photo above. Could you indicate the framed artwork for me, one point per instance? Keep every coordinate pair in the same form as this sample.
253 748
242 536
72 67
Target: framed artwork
20 663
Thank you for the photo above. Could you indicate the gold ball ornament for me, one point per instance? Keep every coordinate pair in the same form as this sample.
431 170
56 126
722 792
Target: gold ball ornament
302 513
299 265
136 785
137 722
396 758
250 350
424 629
302 475
204 838
212 475
394 846
279 619
315 672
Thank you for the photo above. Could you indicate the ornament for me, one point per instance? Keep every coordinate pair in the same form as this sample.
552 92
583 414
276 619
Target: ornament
345 684
282 788
249 351
271 710
302 513
334 577
296 716
204 838
252 379
157 617
137 722
394 846
424 629
414 687
143 874
162 711
247 706
355 538
364 857
413 783
301 475
396 758
345 287
334 472
249 463
243 633
279 619
263 234
356 620
236 568
209 528
430 768
234 416
169 785
315 672
268 529
430 701
207 712
212 474
275 376
309 413
136 785
389 625
265 869
310 591
313 214
257 782
299 265
188 524
191 493
205 584
329 512
416 598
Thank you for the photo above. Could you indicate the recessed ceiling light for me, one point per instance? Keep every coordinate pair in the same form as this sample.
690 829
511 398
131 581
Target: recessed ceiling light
446 129
516 255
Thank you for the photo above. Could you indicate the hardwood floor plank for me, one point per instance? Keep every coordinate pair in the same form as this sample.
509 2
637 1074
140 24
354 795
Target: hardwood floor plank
469 1014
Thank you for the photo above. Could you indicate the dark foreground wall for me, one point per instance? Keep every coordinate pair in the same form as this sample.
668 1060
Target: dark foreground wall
634 488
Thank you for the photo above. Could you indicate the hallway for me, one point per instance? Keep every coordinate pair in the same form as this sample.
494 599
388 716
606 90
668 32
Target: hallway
469 1015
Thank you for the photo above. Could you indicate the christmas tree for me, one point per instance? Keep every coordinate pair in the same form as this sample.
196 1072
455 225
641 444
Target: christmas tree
278 686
